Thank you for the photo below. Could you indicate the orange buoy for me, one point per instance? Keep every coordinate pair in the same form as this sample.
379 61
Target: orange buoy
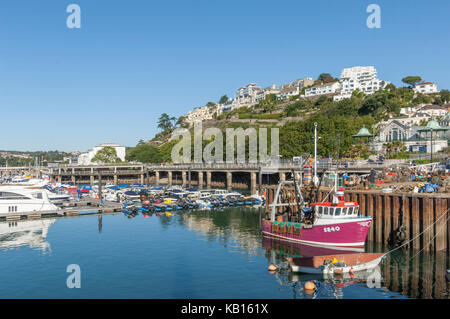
272 268
310 286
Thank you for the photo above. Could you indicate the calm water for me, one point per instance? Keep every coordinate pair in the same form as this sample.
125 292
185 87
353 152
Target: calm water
218 254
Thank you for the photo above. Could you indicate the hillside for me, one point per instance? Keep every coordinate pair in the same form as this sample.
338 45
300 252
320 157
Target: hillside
337 122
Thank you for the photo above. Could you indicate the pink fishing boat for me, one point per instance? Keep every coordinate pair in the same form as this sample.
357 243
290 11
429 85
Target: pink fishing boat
336 224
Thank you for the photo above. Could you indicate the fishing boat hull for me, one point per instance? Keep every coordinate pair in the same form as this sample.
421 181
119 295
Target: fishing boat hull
342 233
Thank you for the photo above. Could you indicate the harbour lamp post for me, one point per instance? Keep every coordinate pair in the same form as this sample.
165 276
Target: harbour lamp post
431 146
316 179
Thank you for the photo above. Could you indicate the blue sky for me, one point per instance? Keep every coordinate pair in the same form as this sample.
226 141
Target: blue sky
109 81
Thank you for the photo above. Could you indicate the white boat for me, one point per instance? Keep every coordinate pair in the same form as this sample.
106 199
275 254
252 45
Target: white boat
18 199
31 233
336 264
27 181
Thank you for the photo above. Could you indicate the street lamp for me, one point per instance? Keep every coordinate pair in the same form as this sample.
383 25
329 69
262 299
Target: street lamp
316 179
431 146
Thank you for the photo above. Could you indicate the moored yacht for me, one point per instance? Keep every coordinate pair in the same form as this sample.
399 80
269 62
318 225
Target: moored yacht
18 199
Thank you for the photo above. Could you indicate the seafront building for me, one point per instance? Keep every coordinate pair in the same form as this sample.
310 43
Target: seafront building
414 138
86 158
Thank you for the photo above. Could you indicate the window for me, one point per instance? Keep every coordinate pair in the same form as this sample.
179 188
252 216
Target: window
344 211
350 211
356 210
325 210
338 211
320 210
37 195
13 196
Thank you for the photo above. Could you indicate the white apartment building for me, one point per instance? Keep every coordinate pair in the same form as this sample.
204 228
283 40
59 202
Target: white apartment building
327 88
426 88
362 78
293 88
201 114
86 158
273 89
249 94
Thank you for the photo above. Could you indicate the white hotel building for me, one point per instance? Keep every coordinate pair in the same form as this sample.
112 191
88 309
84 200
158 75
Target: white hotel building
426 88
362 78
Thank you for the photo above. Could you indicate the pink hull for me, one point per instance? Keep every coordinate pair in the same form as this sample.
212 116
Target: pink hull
342 234
306 250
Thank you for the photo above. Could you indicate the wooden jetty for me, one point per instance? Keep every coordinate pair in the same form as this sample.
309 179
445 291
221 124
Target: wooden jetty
87 207
389 211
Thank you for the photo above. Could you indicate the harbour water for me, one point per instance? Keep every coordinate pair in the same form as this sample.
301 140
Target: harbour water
201 254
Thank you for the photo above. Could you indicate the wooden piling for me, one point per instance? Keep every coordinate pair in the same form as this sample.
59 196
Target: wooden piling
415 222
440 217
378 219
427 214
369 209
395 212
386 218
406 214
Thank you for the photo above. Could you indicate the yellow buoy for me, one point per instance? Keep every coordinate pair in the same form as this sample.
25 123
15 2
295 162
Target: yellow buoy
272 268
168 214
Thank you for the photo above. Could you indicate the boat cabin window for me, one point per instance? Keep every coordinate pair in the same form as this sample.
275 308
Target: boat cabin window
344 211
37 195
320 210
9 195
350 211
356 210
325 210
337 211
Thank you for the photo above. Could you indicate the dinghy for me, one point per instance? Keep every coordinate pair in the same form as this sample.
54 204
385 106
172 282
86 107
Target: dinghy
336 264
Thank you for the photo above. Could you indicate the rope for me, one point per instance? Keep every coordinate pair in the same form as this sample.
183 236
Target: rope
432 238
419 234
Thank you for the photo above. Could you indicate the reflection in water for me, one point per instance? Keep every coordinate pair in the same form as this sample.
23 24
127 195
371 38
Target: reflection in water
327 286
32 233
405 272
237 229
421 276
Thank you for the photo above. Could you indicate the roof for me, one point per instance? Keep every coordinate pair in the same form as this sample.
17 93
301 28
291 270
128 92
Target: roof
425 83
432 125
340 204
363 132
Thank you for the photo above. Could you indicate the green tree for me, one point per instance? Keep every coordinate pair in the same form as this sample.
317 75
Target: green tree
325 78
106 155
411 80
144 153
223 99
165 122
